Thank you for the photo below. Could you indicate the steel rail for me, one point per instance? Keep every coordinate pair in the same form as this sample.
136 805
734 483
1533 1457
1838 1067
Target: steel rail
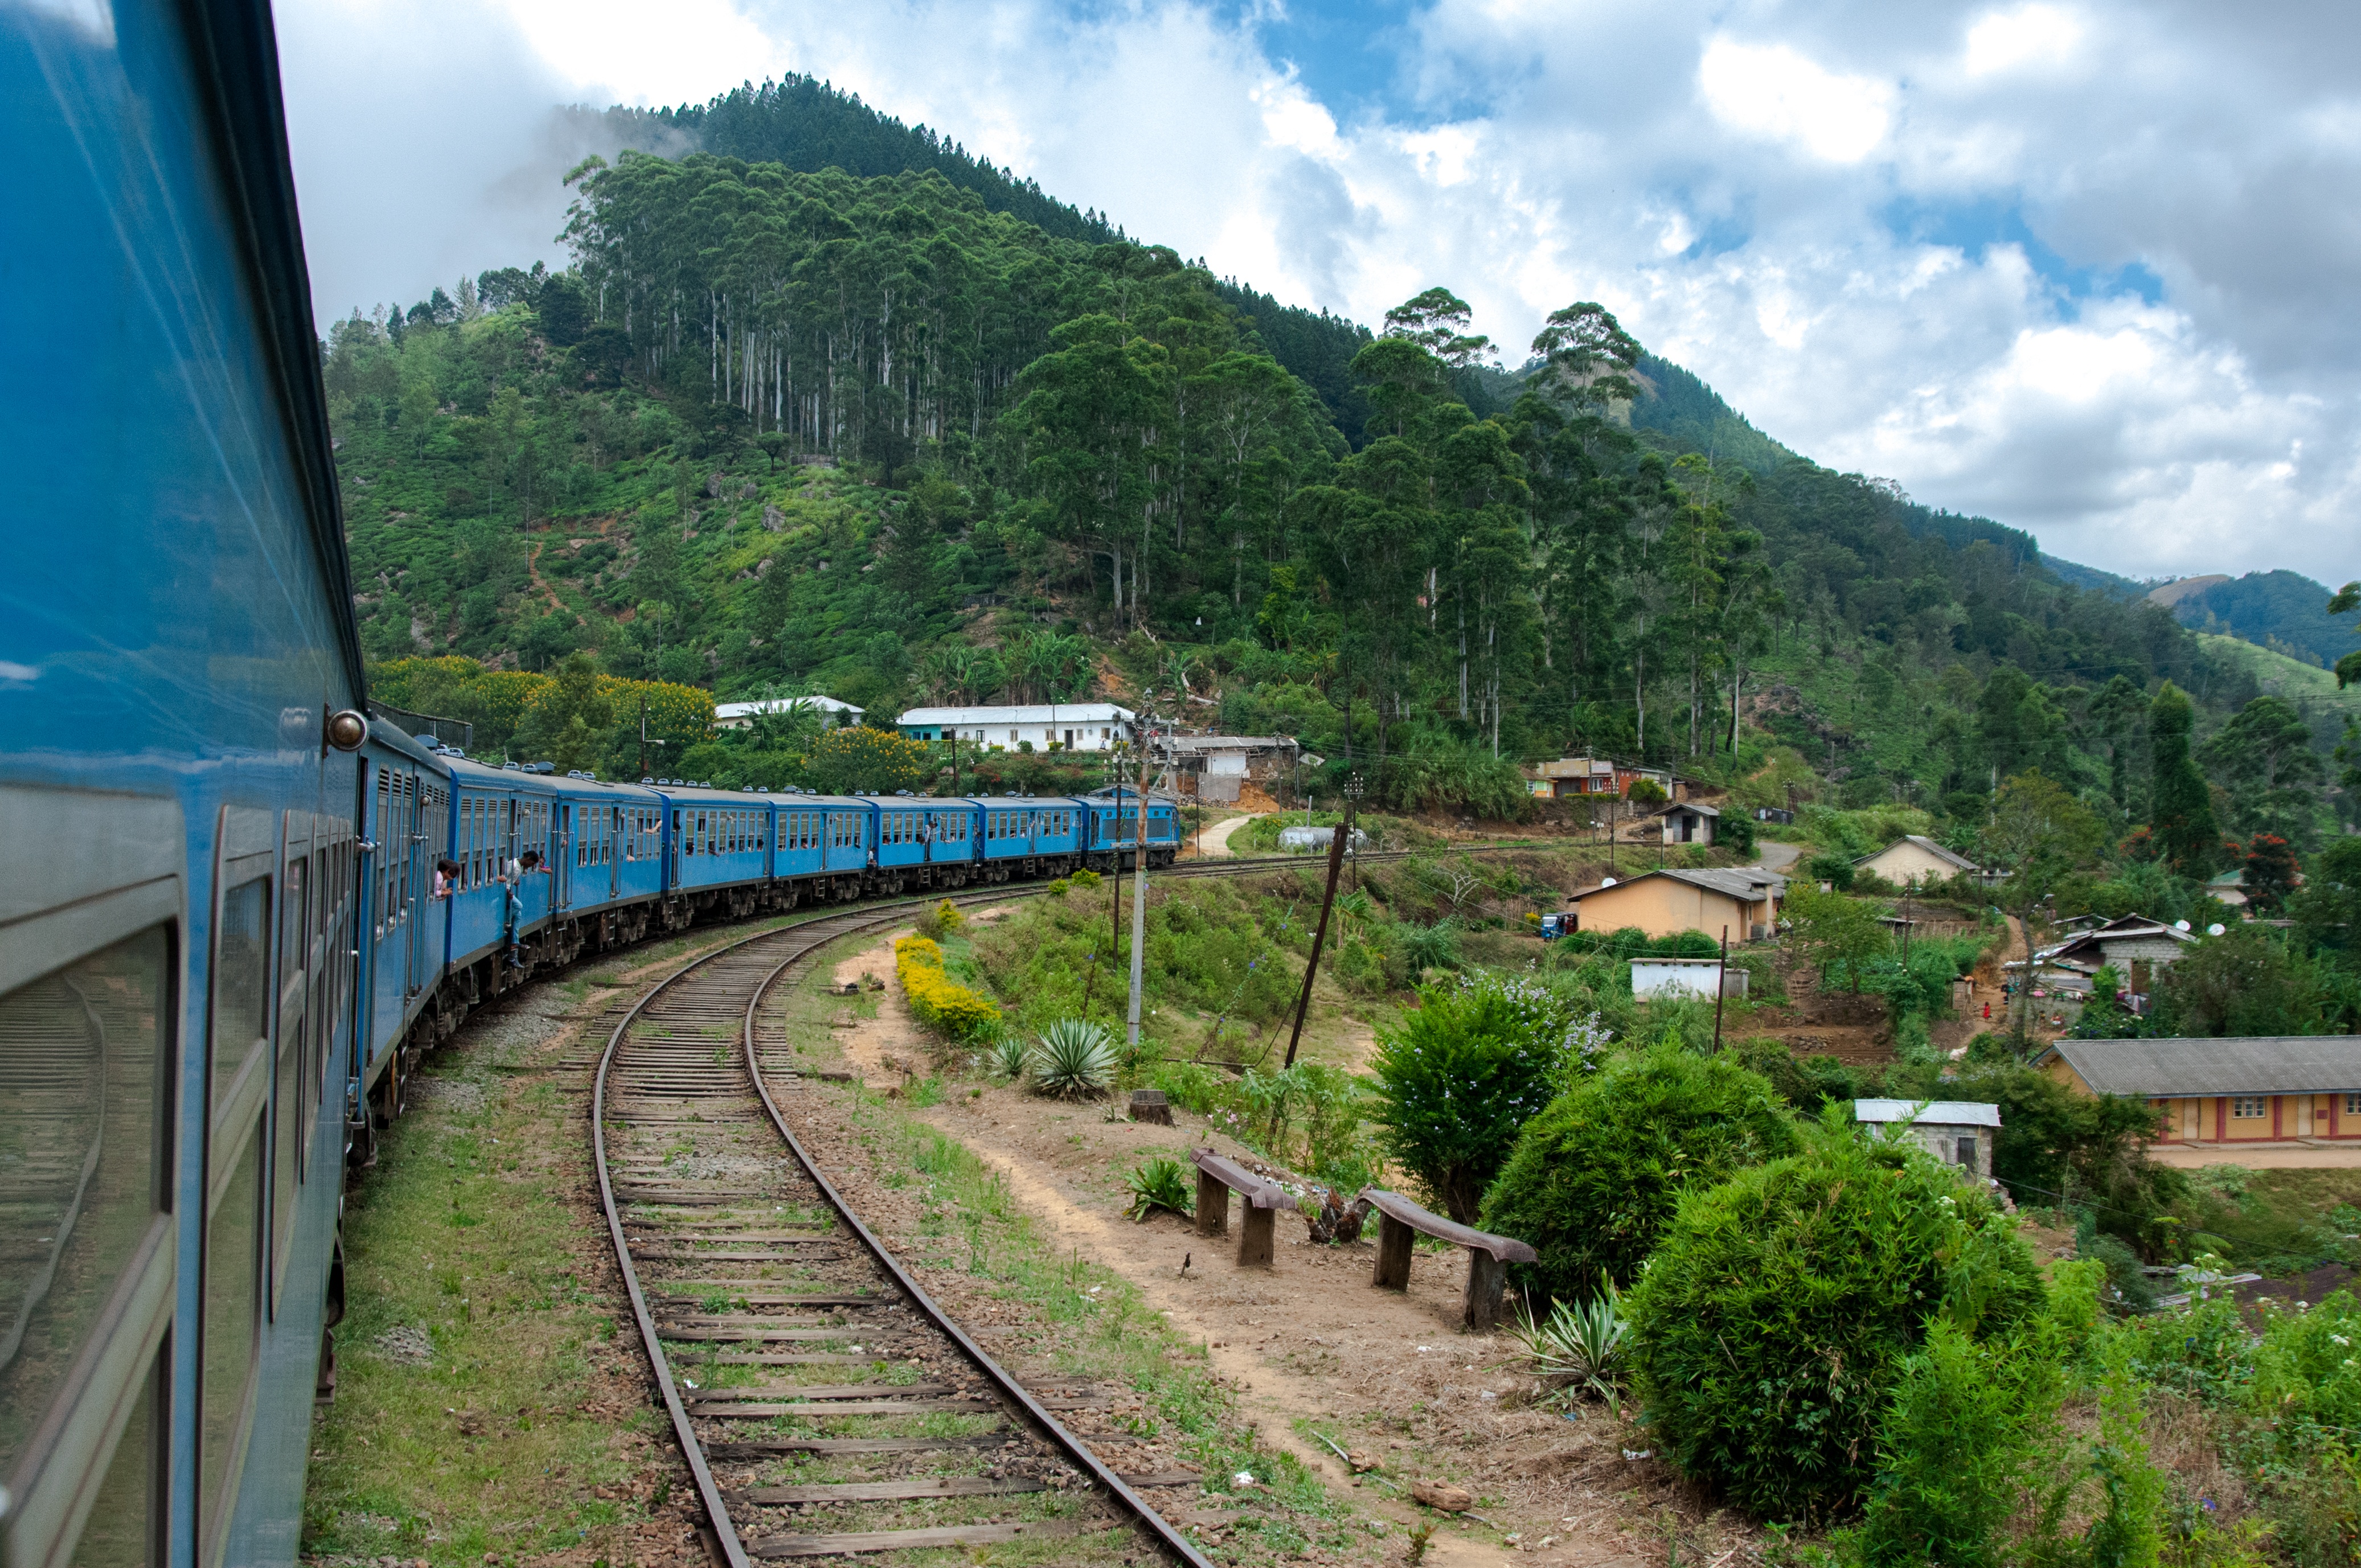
1074 1448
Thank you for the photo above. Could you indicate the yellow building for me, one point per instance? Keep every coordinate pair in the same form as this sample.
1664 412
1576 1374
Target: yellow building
1914 859
1662 903
2264 1101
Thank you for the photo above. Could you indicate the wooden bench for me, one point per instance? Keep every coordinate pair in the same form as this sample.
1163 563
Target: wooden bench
1400 1220
1217 1180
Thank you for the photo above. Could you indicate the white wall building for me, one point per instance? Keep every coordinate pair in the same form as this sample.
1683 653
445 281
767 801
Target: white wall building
1069 726
1653 978
739 715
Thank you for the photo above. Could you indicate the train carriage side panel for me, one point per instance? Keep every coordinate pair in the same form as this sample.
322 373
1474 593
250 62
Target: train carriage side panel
177 843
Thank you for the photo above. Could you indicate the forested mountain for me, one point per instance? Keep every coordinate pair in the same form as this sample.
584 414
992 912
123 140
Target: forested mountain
2285 611
779 429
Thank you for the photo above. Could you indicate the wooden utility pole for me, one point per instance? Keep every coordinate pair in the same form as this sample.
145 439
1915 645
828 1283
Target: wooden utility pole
1721 987
1138 881
1319 938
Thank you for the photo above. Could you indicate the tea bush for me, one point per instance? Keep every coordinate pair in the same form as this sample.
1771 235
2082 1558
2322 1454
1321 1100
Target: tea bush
1594 1179
1772 1324
1458 1078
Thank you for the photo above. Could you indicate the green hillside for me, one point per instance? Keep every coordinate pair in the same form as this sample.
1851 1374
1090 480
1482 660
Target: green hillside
781 429
2284 611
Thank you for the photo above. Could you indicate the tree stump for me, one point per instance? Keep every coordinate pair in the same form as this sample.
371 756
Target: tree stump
1149 1105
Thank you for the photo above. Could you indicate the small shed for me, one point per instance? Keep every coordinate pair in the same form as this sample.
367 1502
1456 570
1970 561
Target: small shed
1654 978
1956 1131
1685 822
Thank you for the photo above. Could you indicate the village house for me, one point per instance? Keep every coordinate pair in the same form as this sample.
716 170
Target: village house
1570 778
1215 767
1956 1131
1745 900
2135 944
1915 860
1067 726
2265 1101
740 715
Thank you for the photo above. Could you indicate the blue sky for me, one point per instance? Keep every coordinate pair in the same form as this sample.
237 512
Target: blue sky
2086 266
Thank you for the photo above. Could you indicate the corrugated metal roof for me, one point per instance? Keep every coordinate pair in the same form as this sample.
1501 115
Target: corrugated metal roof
1027 713
2260 1064
1740 883
1948 857
1933 1113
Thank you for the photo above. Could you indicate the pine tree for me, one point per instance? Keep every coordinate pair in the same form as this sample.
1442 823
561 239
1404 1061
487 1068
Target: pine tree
2183 817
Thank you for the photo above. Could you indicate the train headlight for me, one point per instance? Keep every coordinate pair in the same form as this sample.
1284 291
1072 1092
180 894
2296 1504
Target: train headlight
345 729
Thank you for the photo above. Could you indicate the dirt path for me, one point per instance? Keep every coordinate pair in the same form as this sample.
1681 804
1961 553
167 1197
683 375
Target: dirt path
1777 856
1215 840
1308 1345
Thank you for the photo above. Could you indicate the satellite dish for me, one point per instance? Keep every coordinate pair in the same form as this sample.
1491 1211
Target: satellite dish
2180 924
2215 929
1607 882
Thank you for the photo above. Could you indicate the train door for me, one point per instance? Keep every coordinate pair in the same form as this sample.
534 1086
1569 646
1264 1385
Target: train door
561 855
612 818
403 846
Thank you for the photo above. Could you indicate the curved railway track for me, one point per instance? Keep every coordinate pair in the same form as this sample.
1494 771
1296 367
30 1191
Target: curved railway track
808 1375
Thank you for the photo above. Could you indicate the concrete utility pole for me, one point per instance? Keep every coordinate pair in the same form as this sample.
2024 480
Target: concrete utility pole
1139 879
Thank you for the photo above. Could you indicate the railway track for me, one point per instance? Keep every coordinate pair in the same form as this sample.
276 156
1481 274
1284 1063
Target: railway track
810 1381
808 1376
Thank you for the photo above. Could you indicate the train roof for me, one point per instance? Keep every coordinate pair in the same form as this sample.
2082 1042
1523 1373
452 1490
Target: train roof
708 795
490 775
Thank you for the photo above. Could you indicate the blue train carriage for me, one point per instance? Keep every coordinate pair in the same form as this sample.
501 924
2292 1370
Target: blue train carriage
404 801
1029 836
604 881
180 861
730 854
1114 827
925 843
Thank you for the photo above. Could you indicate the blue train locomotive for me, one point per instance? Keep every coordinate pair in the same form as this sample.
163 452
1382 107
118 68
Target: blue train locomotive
233 908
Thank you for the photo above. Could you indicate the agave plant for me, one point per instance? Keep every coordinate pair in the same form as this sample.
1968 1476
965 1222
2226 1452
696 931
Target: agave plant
1011 1054
1580 1348
1073 1059
1159 1183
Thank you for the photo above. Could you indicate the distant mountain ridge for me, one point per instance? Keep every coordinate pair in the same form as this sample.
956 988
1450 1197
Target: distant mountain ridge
808 124
2281 611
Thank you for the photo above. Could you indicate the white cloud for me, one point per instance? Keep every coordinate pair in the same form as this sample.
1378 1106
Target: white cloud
1889 234
1771 91
2036 35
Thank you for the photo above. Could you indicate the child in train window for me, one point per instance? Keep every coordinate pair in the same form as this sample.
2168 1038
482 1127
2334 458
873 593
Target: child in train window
446 876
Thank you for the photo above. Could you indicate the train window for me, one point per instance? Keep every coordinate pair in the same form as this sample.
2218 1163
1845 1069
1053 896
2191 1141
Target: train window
233 1289
83 1101
127 1519
241 980
286 1096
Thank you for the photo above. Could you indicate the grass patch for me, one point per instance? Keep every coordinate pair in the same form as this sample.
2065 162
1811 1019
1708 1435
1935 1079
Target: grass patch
472 1415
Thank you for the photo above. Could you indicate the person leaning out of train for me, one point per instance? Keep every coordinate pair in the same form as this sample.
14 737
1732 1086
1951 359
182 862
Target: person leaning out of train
446 877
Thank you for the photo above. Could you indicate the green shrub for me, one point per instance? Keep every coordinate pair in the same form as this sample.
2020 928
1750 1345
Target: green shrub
1085 879
1159 1183
1583 1348
1059 887
1594 1179
1459 1078
2308 1370
1772 1324
1073 1059
1950 1454
1832 868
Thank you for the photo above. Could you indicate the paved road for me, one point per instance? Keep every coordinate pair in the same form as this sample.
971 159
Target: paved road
1777 858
